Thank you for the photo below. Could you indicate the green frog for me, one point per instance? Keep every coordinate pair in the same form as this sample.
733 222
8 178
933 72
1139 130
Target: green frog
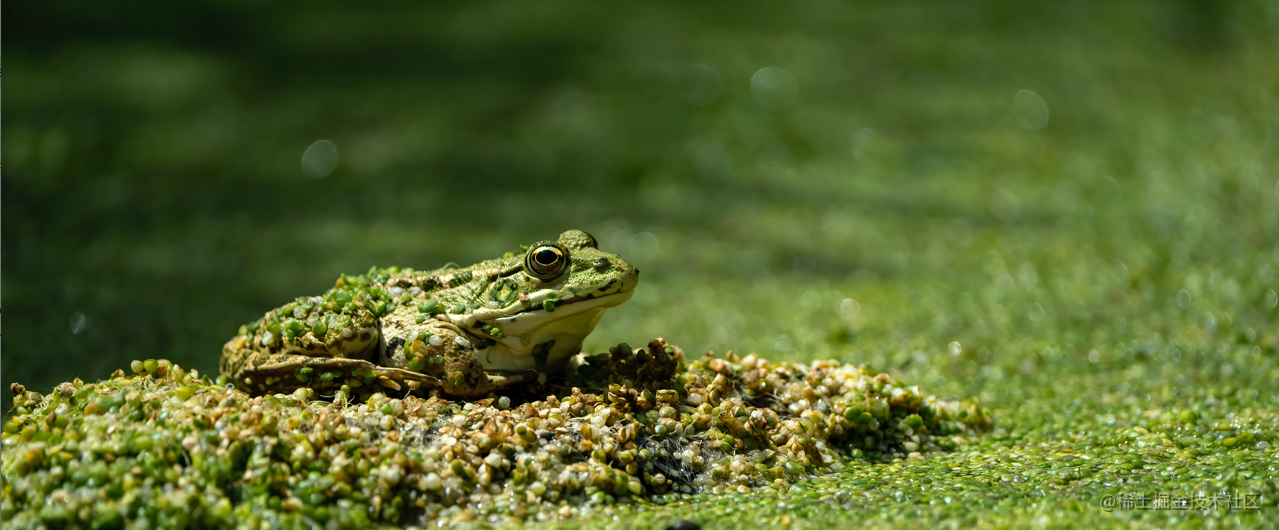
464 332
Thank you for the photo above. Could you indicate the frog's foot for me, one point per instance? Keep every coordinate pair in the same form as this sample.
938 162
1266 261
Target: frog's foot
443 351
500 381
472 386
284 372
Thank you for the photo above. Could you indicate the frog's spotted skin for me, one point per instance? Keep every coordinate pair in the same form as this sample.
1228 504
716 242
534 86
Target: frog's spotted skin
464 331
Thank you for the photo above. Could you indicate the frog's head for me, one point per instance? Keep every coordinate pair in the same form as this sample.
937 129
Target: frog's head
543 303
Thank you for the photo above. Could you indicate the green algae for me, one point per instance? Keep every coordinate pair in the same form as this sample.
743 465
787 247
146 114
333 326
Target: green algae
1039 467
173 449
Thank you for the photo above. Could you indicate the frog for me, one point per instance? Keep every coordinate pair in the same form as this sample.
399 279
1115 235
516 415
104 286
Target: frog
457 331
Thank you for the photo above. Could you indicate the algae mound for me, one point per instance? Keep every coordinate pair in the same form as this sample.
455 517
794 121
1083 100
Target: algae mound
625 428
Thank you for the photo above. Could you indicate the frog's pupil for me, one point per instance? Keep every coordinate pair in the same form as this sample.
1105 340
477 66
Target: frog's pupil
546 257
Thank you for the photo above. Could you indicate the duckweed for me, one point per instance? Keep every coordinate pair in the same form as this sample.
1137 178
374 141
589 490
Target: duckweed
175 448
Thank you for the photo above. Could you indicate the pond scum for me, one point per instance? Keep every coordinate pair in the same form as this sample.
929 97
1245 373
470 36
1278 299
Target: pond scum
171 448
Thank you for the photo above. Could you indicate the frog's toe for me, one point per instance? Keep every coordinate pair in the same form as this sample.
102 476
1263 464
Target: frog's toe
499 381
392 377
472 386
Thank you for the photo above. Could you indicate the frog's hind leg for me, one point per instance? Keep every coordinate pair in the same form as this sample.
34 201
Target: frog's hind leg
283 372
254 368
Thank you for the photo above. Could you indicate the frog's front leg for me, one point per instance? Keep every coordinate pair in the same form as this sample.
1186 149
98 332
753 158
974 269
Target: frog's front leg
442 350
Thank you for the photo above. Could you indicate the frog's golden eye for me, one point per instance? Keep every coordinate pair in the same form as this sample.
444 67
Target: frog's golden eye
546 261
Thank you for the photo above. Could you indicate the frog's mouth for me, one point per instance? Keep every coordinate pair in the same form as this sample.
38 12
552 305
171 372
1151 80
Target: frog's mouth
523 322
543 340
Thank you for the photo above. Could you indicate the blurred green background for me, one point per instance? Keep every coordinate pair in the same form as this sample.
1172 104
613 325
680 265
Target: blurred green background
884 190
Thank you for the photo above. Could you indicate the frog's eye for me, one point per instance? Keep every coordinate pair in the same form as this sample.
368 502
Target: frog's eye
546 261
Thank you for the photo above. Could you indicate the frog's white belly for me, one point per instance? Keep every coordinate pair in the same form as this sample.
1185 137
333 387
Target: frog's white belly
567 326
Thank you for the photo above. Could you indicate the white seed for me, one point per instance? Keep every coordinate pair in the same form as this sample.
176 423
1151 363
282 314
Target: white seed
493 460
432 482
392 474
